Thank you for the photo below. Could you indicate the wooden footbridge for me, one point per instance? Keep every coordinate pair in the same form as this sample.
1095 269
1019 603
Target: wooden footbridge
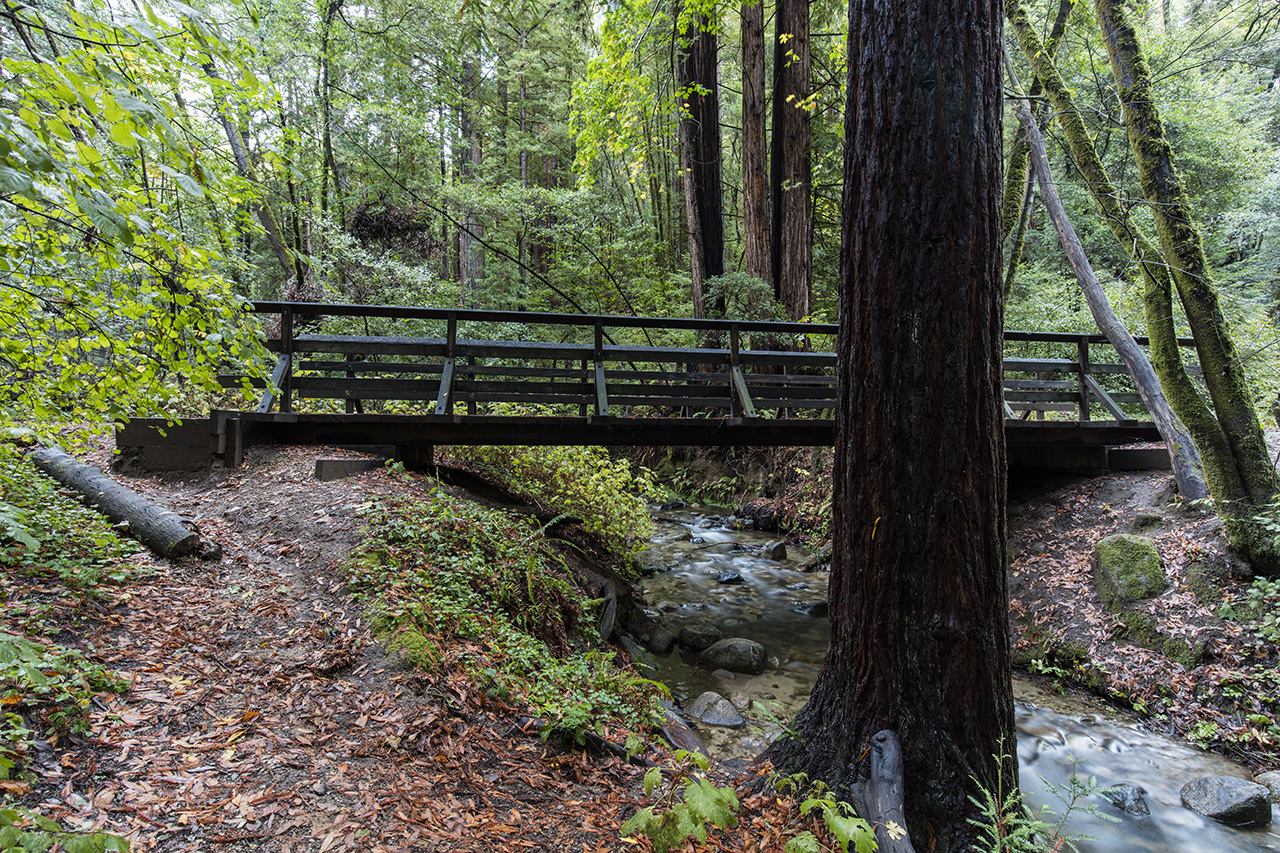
413 378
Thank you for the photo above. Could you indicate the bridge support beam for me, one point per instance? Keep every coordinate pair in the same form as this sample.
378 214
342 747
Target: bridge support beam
416 457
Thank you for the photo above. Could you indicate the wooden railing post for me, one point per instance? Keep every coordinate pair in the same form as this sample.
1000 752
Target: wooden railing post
735 406
1082 370
602 391
286 355
444 397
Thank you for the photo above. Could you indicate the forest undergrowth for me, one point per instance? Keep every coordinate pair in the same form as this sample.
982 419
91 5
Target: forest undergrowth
300 693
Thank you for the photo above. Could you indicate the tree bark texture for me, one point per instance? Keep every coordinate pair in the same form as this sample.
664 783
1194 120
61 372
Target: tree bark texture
1187 469
919 602
790 173
757 259
1180 239
700 156
1157 288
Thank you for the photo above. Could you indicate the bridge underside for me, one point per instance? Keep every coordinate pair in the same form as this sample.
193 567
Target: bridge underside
225 435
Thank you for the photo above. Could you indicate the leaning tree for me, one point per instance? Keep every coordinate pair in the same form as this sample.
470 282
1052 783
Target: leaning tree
919 603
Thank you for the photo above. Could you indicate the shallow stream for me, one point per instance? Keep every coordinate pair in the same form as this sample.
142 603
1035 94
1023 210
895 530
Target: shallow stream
699 562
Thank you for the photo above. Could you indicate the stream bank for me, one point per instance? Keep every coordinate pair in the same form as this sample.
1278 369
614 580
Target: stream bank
711 576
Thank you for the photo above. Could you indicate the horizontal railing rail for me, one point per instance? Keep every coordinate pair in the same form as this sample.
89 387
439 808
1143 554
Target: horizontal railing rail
587 369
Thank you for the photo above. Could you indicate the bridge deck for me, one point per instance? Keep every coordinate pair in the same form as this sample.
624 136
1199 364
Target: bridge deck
672 381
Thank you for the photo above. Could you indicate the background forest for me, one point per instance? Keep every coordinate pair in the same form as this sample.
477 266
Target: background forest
161 164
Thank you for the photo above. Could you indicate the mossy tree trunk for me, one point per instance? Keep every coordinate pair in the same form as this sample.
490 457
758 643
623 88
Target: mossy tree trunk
919 603
1224 374
1187 469
1221 468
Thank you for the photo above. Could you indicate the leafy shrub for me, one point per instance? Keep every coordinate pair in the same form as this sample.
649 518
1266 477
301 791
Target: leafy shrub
607 494
46 686
45 530
23 831
437 569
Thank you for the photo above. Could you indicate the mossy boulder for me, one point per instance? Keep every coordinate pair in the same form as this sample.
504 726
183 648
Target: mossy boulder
1127 568
415 649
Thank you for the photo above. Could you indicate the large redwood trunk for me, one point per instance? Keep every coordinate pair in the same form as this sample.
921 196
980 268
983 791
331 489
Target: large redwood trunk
756 257
700 156
790 173
919 603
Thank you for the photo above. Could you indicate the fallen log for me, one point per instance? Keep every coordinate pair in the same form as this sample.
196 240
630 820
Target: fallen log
155 526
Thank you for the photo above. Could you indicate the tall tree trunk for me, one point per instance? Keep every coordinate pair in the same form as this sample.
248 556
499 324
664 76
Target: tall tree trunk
700 156
757 258
470 250
244 166
1187 468
1157 288
1180 239
332 9
1017 180
790 173
919 603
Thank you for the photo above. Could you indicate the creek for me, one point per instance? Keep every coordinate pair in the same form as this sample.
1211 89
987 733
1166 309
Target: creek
707 572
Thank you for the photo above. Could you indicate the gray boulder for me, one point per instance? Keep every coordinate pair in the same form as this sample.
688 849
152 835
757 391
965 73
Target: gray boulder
699 636
776 550
728 577
1226 799
715 710
735 654
660 641
1129 799
1127 568
1272 780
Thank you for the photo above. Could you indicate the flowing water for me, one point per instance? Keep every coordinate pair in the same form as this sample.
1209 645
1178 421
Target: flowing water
695 553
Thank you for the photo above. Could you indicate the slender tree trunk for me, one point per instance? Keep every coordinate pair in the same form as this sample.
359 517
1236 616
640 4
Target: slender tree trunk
757 258
244 167
1187 468
700 156
1017 180
790 174
332 8
1019 233
1180 239
470 251
1157 288
919 603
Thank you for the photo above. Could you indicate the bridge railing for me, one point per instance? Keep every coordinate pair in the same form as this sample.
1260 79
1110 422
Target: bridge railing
590 364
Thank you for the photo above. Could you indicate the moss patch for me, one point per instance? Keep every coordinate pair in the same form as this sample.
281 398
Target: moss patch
1127 568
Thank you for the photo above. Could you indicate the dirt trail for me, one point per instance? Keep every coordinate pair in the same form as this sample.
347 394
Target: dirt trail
263 715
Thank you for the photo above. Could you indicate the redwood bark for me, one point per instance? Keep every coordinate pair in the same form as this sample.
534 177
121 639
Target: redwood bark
700 156
919 603
756 260
790 173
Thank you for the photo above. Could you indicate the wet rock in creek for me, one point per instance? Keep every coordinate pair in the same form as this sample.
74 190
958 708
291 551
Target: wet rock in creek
699 636
729 578
1272 780
735 654
715 710
1129 799
1226 799
660 641
816 609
